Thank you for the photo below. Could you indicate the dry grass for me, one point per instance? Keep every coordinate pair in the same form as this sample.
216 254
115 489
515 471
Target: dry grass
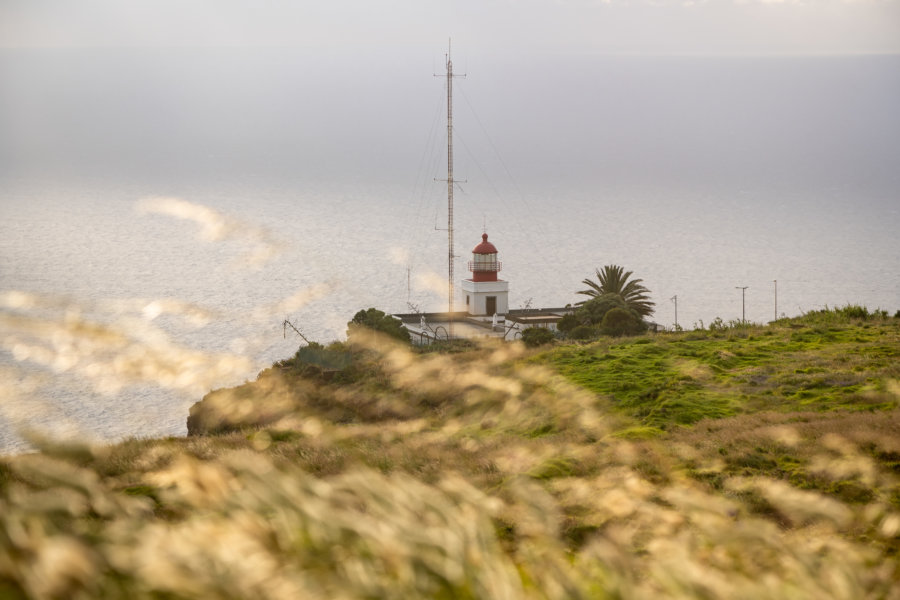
468 475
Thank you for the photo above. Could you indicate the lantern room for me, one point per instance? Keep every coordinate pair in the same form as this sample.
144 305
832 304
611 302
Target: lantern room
485 293
484 264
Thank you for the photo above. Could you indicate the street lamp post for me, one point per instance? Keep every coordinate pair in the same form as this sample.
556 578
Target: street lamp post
775 281
743 304
675 300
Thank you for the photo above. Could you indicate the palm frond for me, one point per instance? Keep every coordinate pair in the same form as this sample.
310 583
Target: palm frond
614 279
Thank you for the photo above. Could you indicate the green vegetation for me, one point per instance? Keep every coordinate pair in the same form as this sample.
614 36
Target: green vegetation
743 462
619 321
614 280
536 336
315 359
617 307
825 360
605 315
375 320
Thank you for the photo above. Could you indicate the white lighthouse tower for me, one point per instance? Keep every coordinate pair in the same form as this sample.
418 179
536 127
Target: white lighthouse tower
485 294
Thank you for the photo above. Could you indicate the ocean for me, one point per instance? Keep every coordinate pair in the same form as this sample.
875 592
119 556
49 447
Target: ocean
162 214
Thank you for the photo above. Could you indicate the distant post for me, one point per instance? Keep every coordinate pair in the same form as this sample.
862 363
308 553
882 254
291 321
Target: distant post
775 281
675 300
743 312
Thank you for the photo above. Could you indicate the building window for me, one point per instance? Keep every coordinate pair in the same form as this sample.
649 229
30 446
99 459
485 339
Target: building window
467 299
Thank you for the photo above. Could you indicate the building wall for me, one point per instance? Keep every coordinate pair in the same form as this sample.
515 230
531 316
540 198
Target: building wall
523 326
475 294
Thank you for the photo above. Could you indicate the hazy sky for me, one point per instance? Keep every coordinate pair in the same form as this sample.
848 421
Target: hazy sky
347 83
515 26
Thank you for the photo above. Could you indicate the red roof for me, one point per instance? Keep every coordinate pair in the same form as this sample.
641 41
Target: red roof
485 247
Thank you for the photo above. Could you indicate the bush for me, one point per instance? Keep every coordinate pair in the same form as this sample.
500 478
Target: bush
537 336
570 322
377 320
584 332
593 311
717 325
854 311
619 321
316 358
842 314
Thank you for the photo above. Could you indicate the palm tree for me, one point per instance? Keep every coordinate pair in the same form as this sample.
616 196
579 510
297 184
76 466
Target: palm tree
613 279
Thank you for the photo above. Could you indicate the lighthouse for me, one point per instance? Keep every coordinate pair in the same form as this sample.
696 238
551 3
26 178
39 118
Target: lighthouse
485 294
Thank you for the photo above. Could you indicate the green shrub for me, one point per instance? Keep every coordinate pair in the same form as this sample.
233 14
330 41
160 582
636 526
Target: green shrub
570 322
583 332
335 357
854 311
377 320
619 321
593 311
717 324
537 336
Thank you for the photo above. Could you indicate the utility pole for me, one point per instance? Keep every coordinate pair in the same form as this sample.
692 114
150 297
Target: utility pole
775 281
449 75
743 313
675 300
287 324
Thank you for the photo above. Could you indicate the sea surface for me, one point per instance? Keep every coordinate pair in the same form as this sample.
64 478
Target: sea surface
161 216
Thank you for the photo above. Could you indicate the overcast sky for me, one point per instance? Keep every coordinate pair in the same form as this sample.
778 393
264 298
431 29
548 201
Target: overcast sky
514 26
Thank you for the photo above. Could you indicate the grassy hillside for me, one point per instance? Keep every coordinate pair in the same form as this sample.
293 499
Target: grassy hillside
818 362
758 462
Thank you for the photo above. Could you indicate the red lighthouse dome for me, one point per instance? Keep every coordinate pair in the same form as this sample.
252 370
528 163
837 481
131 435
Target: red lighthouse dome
485 247
484 264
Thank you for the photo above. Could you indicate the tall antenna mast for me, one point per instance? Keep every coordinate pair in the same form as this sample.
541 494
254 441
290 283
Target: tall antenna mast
450 181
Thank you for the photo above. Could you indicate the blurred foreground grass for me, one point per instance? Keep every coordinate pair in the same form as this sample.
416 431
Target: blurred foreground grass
755 463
